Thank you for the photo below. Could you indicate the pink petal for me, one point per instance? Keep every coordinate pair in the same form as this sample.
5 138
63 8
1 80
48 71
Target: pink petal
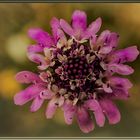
119 82
69 111
125 55
28 94
84 120
27 77
110 110
51 108
55 25
46 94
119 93
103 36
35 49
39 59
94 106
36 104
66 27
79 20
110 41
120 69
93 28
41 37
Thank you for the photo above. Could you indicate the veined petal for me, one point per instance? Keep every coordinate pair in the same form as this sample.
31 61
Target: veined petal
36 104
27 77
110 110
125 55
93 28
120 69
94 106
28 94
69 112
84 120
66 27
41 36
51 108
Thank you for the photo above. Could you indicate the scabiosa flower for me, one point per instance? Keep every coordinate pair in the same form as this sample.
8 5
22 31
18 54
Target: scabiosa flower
76 70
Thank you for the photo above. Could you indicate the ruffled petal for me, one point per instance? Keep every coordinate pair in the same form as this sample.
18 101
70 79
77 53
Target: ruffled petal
110 110
27 77
84 120
125 55
36 104
66 27
35 48
41 37
93 28
69 111
94 106
51 108
28 94
120 69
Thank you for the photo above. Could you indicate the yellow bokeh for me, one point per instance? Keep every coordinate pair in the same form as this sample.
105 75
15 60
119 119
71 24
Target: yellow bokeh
8 85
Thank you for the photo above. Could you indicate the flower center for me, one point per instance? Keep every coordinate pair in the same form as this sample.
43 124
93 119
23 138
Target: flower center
78 71
77 68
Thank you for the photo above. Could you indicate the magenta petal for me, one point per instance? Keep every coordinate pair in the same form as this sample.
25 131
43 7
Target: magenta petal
110 41
119 93
94 106
113 40
103 36
93 28
36 104
35 49
51 108
125 55
120 69
110 110
39 59
84 120
119 82
55 25
66 27
46 94
28 94
79 20
69 111
27 77
41 37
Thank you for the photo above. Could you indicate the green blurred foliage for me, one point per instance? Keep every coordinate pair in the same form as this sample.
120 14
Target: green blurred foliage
15 21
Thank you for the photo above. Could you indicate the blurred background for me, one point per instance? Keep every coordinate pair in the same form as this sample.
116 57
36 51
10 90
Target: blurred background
15 20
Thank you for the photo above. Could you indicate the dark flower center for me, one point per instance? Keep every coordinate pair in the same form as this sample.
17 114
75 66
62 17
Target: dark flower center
77 68
79 73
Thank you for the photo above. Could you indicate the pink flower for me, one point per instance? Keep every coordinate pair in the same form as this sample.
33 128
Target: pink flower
76 72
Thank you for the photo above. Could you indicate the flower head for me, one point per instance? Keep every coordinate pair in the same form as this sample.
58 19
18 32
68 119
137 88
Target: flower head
76 70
